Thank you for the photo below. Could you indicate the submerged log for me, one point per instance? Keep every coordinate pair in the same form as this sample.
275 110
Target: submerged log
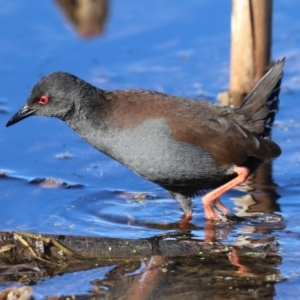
51 248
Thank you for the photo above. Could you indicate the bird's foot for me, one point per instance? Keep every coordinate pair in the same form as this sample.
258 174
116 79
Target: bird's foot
215 210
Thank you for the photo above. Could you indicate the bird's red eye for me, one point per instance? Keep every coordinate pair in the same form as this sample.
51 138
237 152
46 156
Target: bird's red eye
43 100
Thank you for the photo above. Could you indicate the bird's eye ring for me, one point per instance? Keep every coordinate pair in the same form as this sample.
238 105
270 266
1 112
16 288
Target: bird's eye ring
43 100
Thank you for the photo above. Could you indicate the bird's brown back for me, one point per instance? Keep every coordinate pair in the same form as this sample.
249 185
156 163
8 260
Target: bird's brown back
217 129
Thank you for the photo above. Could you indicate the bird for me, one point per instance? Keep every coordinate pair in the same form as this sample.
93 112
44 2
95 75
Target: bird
187 146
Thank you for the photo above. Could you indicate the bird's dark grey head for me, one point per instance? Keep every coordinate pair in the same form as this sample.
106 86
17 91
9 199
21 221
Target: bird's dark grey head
54 95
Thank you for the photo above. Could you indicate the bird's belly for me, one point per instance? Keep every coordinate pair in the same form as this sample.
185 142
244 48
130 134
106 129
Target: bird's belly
151 151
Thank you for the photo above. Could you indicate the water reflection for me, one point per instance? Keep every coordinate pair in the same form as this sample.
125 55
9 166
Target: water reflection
216 271
174 265
259 208
87 16
261 194
189 278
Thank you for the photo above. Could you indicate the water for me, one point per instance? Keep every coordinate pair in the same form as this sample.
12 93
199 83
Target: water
178 48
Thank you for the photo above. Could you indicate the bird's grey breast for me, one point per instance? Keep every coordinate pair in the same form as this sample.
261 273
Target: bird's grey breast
150 150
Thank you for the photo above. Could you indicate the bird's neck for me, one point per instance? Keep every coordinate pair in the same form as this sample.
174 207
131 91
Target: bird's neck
89 114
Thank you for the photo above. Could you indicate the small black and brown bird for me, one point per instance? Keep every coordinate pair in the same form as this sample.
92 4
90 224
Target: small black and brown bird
186 146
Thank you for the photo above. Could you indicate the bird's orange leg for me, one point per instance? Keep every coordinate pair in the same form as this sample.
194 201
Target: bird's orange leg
211 202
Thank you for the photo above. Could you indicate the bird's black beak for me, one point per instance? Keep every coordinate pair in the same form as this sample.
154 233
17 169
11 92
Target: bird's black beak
23 113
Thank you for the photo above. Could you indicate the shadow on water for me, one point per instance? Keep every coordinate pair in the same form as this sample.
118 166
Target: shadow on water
104 231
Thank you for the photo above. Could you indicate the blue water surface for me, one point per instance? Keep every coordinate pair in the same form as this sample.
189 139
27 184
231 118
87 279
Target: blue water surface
177 47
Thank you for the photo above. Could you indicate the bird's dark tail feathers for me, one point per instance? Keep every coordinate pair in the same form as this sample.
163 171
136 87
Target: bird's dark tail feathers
262 103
